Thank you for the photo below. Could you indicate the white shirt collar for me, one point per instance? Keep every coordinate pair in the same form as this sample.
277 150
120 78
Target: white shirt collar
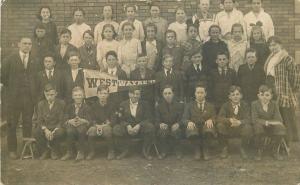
112 70
166 70
151 42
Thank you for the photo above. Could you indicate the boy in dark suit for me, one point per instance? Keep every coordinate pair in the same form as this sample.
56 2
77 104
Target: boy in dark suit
198 121
18 77
250 76
168 75
51 74
194 74
267 121
168 116
50 117
73 76
135 120
221 79
103 114
144 73
234 121
152 47
63 49
78 120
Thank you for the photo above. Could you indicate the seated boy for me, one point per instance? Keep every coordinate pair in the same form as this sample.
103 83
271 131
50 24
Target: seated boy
267 121
168 116
51 74
78 119
103 113
234 121
198 121
135 120
168 75
50 117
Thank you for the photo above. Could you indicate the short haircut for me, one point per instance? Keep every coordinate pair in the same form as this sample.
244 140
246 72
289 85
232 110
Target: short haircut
179 8
195 52
88 32
155 5
73 53
251 1
49 54
143 54
76 89
251 50
132 89
200 85
112 28
102 88
126 6
150 25
222 52
222 1
275 39
24 37
40 26
194 26
65 31
127 24
79 9
112 53
167 86
167 56
214 26
49 87
265 88
171 31
234 88
40 11
237 25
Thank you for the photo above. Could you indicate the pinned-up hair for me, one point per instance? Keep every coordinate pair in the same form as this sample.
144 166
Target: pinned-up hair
40 11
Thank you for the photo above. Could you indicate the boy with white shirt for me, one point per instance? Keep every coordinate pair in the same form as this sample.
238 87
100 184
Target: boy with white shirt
78 27
259 15
229 16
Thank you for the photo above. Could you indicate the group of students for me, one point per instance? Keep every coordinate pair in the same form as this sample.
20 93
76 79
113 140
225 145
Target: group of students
193 62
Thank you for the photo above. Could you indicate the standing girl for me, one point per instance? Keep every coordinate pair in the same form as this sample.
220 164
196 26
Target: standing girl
107 44
129 49
138 32
179 26
45 17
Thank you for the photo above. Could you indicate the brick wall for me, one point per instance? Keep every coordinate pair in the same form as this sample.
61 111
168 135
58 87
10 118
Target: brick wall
18 16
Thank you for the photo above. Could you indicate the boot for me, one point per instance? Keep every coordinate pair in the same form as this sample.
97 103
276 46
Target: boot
146 150
178 152
224 153
111 154
91 153
45 155
243 153
258 155
197 155
54 155
80 156
276 154
206 154
69 155
123 154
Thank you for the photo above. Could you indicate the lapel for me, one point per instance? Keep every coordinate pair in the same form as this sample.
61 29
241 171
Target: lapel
138 109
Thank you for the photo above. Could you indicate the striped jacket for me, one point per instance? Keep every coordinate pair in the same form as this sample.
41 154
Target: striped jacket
287 79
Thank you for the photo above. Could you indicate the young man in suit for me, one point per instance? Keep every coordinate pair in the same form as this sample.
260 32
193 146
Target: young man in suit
250 76
168 116
135 120
199 122
143 73
221 79
267 121
234 121
18 77
194 74
152 47
169 76
50 117
73 76
51 74
63 49
103 117
78 120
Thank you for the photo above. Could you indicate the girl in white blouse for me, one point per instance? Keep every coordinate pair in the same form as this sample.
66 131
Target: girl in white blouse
179 26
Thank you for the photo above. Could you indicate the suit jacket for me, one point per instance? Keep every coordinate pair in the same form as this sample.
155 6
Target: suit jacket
227 112
219 86
259 116
169 113
191 78
175 79
39 48
193 113
100 113
147 91
143 113
62 62
57 81
159 47
53 118
69 84
84 112
250 81
14 77
177 53
88 60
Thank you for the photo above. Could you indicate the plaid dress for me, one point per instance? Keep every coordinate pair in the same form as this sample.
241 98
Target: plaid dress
287 79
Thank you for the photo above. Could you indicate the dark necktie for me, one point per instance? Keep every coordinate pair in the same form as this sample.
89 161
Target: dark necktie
168 73
198 68
50 74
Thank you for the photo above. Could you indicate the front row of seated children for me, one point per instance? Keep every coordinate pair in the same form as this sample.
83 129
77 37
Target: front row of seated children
81 125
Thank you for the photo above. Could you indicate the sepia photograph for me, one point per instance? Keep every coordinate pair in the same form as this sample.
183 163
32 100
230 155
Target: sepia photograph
150 92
